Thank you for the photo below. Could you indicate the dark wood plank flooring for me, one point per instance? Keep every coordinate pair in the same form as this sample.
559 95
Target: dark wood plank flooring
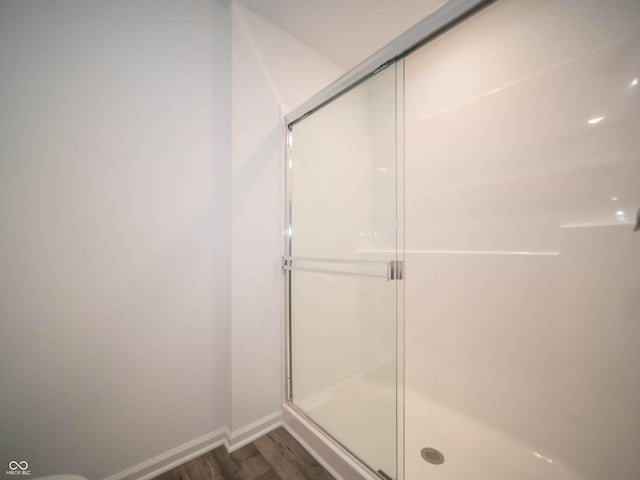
274 456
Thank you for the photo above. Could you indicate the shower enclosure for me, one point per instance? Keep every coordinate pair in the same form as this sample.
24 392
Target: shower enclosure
463 253
344 263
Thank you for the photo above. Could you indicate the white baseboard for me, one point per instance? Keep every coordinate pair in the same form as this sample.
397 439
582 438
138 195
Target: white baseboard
177 456
245 435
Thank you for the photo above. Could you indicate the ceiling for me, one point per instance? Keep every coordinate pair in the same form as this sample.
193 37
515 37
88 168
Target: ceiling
346 31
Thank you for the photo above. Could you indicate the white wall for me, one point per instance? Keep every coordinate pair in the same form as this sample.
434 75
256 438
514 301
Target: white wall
272 73
119 180
114 217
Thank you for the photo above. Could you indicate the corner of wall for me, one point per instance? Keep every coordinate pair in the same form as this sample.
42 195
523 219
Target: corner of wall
272 71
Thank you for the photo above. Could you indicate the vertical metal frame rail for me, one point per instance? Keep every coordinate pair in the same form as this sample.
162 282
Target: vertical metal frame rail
288 230
400 260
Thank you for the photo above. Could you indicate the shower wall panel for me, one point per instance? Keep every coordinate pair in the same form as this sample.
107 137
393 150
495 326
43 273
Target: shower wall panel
523 279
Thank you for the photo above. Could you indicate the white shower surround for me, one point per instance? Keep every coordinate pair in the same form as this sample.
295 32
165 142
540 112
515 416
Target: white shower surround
522 183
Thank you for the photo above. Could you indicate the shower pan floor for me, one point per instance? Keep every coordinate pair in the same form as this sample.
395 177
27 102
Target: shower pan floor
360 412
471 448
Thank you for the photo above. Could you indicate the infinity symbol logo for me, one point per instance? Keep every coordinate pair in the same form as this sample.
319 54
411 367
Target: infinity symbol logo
23 465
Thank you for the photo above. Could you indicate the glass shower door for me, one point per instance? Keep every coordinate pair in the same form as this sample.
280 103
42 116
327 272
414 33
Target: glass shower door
342 265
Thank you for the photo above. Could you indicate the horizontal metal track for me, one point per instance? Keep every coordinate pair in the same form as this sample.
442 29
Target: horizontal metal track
428 28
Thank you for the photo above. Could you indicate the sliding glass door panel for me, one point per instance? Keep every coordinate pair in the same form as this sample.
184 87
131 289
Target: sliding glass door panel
343 269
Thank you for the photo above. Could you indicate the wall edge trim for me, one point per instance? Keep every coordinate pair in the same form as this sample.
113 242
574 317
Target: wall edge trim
181 454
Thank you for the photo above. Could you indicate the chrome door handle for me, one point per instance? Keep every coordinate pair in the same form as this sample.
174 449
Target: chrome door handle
394 268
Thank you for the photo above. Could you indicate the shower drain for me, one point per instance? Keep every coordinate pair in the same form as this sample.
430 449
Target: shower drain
432 455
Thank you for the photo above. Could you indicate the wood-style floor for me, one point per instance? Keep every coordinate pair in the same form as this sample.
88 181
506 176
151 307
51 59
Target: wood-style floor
274 456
